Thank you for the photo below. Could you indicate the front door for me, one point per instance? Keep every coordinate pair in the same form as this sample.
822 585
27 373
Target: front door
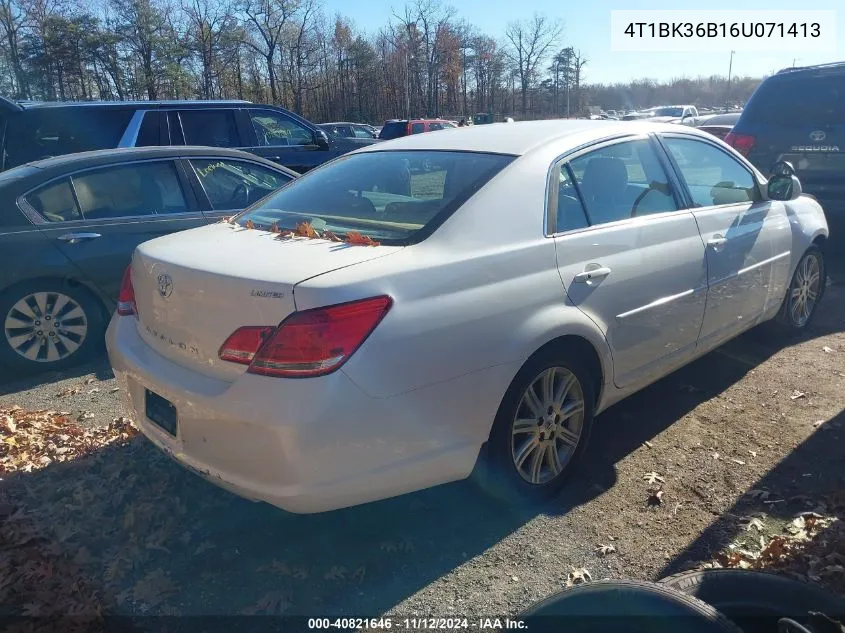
630 257
286 141
748 240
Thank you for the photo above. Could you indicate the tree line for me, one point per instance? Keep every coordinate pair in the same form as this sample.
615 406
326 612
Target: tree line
425 61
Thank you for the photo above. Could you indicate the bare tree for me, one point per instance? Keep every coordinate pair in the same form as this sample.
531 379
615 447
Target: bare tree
13 21
209 23
530 42
267 20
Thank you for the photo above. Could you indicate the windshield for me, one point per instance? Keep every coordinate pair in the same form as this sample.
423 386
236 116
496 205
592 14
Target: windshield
668 112
388 196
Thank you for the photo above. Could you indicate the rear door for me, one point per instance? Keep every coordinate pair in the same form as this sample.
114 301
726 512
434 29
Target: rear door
800 117
109 211
630 257
226 186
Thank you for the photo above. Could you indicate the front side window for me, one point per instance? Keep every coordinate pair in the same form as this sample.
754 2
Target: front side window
362 132
416 128
712 176
211 128
273 129
236 184
55 202
622 181
389 196
130 190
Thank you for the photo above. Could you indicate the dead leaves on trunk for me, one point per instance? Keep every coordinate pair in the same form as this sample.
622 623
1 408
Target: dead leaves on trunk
306 230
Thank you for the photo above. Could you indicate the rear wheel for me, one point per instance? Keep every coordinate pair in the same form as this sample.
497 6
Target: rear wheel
541 429
49 325
804 293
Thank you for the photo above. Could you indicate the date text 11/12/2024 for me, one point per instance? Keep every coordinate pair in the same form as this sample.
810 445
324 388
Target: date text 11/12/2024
418 624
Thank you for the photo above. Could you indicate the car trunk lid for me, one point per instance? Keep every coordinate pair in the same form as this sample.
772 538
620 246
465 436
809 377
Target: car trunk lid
193 289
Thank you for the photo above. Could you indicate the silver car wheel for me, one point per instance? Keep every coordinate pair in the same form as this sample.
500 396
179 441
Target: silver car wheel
45 327
804 290
547 426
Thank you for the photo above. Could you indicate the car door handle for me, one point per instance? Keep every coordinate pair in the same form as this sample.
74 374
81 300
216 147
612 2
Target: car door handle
75 238
717 242
589 275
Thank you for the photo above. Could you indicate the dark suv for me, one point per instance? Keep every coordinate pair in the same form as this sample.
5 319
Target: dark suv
33 130
798 115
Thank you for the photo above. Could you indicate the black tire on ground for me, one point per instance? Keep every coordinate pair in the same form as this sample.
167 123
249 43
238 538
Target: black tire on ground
90 312
756 600
624 605
785 320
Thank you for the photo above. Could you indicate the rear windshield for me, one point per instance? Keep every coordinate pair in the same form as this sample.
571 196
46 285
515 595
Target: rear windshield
804 100
388 196
392 130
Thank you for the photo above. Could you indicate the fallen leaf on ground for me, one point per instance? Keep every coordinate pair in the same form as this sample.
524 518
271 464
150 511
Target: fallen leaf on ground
757 524
604 550
653 478
647 444
827 350
797 394
578 577
738 461
818 423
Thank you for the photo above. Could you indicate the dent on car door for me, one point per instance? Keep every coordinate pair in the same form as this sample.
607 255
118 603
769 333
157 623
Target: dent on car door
747 239
629 258
103 214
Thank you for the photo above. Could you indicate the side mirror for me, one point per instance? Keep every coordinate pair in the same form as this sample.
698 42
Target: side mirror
321 139
783 168
784 187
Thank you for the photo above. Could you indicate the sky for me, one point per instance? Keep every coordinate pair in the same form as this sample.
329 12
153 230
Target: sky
587 27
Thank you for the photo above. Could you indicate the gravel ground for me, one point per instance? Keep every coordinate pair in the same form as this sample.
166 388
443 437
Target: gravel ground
156 539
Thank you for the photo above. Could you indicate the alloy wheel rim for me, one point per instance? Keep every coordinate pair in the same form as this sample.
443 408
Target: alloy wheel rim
45 327
547 425
805 288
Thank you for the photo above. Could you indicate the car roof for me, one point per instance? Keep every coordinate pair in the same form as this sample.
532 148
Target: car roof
31 105
520 138
834 67
109 156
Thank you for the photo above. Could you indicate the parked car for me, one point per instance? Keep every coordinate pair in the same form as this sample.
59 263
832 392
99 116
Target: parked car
40 130
349 130
68 226
683 114
798 115
396 128
718 124
530 276
485 118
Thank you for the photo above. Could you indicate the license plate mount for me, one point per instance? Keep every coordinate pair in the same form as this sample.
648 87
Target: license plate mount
160 412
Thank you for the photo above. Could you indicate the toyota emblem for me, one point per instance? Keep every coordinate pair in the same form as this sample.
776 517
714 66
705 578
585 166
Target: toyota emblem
165 285
817 136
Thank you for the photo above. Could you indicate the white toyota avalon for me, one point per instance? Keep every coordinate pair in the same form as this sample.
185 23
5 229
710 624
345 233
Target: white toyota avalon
380 324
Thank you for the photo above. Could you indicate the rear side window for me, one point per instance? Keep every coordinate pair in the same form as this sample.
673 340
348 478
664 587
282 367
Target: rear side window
212 128
798 100
44 132
417 128
55 202
130 190
148 133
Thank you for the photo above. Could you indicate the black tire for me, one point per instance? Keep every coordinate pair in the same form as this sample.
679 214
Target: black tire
756 600
500 476
624 605
92 314
785 320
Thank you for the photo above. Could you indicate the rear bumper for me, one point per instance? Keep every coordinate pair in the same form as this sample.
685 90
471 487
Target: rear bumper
306 445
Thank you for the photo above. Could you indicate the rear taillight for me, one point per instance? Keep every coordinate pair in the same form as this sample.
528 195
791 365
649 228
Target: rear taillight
308 343
740 142
126 297
241 346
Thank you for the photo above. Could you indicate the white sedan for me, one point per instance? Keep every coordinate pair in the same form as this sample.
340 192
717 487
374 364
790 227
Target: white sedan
390 318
